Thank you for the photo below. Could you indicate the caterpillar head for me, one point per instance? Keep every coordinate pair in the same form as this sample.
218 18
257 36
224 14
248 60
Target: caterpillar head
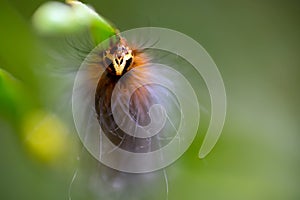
119 58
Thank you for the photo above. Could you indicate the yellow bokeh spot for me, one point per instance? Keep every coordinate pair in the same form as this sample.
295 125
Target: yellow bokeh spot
45 136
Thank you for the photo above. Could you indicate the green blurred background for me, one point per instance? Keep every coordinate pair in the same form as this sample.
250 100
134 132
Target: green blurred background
256 46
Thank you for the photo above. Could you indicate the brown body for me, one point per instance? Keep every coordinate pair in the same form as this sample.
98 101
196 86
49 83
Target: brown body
140 101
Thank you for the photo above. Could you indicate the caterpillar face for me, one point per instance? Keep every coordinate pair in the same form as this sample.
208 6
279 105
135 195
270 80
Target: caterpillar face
119 58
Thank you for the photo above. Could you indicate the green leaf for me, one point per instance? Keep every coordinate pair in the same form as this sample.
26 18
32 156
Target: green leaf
59 18
15 100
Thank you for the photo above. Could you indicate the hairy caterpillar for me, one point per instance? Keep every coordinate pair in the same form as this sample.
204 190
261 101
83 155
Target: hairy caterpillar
118 59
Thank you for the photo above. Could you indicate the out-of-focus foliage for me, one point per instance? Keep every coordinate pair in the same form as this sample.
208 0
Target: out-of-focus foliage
45 136
57 18
12 93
